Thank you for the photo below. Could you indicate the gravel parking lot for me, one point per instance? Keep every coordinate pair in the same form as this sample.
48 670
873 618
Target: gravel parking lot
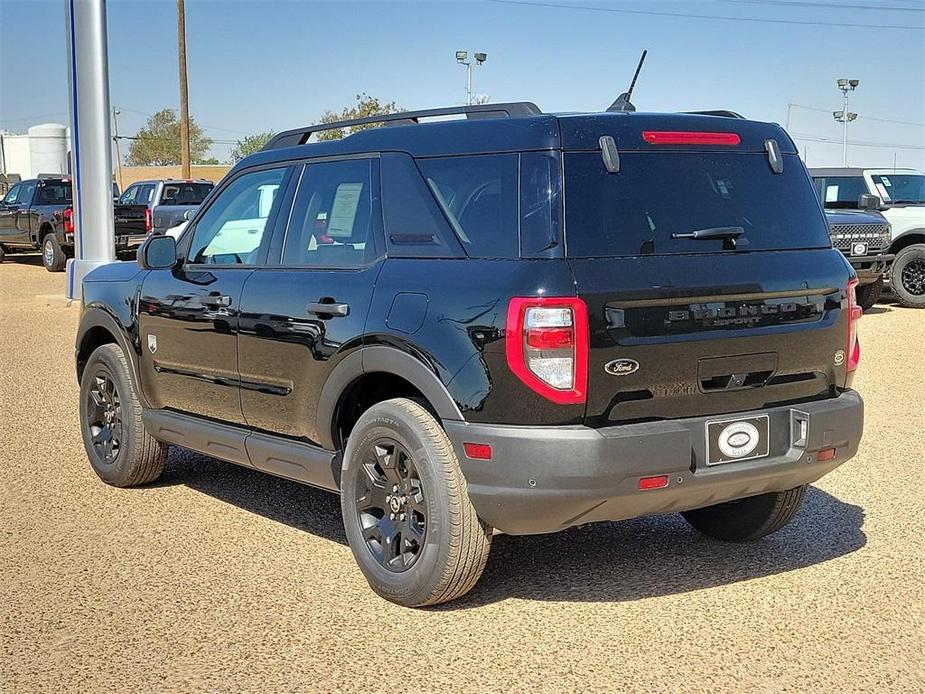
220 578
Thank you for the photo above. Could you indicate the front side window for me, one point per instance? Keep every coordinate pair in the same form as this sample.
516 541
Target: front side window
12 195
25 194
232 228
841 192
331 222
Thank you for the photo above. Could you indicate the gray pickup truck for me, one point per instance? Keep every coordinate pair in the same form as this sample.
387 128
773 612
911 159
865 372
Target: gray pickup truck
167 200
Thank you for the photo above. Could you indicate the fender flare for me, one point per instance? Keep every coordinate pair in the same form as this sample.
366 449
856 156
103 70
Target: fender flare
388 360
917 231
96 317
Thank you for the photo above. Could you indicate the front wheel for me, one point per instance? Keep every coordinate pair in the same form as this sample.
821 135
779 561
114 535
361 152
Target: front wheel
869 294
409 522
121 451
907 277
53 257
747 519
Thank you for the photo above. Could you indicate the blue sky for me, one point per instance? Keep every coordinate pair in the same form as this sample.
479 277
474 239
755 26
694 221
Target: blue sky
256 66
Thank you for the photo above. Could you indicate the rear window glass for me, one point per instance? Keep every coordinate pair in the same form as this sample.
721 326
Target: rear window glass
656 195
184 193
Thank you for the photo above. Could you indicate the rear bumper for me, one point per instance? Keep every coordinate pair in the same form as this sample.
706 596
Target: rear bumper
544 479
126 241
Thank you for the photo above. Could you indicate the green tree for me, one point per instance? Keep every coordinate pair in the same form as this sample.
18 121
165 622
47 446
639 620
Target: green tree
366 106
249 145
158 142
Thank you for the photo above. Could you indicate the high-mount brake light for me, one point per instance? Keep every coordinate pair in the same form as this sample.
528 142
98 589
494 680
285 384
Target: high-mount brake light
854 315
149 220
546 343
68 220
677 137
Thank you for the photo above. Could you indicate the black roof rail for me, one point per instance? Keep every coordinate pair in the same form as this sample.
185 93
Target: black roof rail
717 112
299 136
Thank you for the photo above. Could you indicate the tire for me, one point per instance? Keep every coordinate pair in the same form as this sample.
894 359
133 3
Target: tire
907 277
434 547
747 519
131 457
869 294
53 257
2 254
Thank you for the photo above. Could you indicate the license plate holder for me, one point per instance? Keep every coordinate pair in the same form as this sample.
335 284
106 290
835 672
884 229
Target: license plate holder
859 249
737 439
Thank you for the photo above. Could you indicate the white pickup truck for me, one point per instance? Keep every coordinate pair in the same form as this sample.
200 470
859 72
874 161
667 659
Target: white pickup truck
902 202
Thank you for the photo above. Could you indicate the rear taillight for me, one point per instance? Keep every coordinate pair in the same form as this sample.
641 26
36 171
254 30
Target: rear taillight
68 220
149 220
854 314
676 137
547 346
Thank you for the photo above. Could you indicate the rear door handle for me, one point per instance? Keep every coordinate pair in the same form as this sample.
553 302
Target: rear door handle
215 300
320 308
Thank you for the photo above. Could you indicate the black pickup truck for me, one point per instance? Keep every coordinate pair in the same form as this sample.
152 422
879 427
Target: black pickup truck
165 203
38 214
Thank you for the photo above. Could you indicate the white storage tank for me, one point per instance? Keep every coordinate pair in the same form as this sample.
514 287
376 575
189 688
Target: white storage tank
48 149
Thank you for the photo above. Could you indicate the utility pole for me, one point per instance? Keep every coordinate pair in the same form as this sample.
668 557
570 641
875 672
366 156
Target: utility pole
184 91
789 109
462 59
115 139
845 116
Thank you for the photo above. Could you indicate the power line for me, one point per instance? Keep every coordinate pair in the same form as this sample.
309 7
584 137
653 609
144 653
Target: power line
824 5
854 143
652 13
879 120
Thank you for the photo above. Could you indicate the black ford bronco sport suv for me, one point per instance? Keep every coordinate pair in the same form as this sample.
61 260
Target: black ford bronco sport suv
515 321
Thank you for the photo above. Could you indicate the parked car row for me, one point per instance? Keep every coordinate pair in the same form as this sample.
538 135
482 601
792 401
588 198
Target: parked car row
896 197
38 214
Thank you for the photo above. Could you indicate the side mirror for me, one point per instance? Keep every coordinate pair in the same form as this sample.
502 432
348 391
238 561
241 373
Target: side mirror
158 253
869 202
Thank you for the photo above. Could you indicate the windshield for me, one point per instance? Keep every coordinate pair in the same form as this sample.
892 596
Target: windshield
656 195
900 188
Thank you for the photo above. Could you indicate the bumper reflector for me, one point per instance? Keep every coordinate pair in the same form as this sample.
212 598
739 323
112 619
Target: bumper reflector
655 482
826 454
477 451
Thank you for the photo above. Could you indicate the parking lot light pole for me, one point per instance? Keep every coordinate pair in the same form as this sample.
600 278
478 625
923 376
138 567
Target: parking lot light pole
845 116
462 59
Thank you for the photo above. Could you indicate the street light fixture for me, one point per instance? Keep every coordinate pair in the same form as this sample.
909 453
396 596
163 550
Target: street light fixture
462 59
845 116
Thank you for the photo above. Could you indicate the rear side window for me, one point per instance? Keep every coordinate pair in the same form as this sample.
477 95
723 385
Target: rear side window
55 194
500 205
182 193
331 221
656 195
479 195
840 192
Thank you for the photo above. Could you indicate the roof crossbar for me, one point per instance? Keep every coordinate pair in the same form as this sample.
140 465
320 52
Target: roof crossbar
299 136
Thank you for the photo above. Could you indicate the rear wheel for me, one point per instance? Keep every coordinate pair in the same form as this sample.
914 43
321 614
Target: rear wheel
2 254
53 257
907 277
869 294
409 522
747 519
121 451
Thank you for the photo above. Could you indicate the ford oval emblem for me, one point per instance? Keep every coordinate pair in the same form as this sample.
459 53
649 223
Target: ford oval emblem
621 367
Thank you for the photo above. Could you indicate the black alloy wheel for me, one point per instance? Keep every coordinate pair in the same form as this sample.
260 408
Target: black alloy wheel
104 416
390 505
913 277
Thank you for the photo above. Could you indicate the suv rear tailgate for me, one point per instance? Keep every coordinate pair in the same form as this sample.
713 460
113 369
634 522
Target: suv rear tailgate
708 334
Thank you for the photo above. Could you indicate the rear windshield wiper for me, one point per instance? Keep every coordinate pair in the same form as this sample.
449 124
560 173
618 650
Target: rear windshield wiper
712 233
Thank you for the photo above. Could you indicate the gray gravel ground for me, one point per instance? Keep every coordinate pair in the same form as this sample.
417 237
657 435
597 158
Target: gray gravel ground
219 578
